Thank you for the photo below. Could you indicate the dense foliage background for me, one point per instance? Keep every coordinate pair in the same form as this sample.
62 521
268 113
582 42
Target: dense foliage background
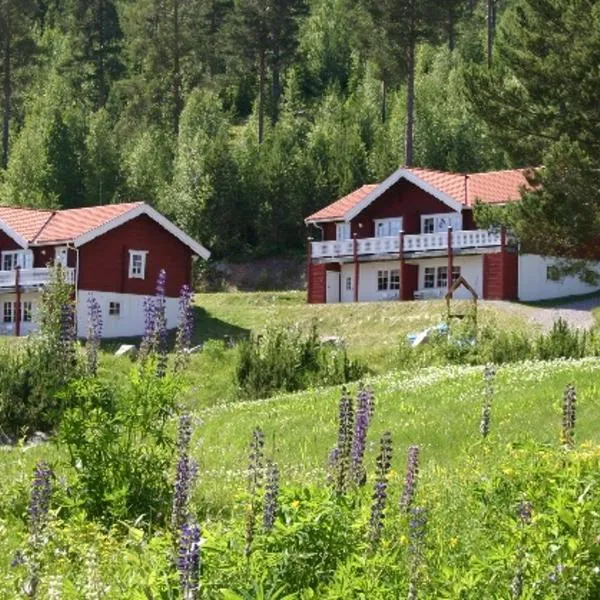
236 118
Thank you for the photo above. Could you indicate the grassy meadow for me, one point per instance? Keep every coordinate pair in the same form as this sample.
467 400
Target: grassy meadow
469 485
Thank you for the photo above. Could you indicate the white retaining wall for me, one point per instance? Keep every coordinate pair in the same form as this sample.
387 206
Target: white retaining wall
131 320
535 285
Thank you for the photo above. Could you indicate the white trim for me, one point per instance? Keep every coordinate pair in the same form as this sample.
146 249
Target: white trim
454 218
13 235
385 185
143 209
390 220
142 254
345 227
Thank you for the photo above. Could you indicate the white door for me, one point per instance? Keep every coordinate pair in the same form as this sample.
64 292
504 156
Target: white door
333 286
60 255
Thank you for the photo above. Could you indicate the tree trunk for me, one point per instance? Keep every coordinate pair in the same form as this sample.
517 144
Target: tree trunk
410 103
451 29
491 17
176 76
7 88
383 100
275 90
261 95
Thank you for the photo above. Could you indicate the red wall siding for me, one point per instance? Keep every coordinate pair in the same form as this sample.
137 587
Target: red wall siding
402 200
410 281
7 243
104 262
500 276
317 284
329 231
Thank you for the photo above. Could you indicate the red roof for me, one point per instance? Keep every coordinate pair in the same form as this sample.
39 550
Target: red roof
492 187
38 226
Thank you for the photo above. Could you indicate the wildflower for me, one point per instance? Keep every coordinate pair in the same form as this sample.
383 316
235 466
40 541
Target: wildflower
525 512
295 504
361 425
255 482
185 327
271 501
185 475
189 561
380 492
94 333
342 454
55 587
516 585
486 409
94 588
412 475
416 536
39 502
155 325
568 416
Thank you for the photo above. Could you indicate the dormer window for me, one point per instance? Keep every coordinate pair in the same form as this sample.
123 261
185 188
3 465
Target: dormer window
137 264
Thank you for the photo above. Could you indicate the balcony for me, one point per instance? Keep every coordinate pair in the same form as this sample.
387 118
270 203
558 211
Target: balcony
32 277
419 243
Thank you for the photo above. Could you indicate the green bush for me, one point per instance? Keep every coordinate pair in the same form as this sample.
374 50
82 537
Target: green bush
289 359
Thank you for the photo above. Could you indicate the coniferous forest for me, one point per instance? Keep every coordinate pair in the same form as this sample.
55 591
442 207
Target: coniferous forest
238 118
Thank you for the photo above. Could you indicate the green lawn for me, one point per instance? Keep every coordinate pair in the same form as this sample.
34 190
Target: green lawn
438 408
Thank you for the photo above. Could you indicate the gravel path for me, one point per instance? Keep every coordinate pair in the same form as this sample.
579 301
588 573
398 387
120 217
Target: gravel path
577 314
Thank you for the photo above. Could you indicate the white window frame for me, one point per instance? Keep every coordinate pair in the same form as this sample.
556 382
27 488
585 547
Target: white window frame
137 254
441 221
383 277
19 258
342 232
114 309
8 316
394 280
431 271
26 311
59 257
387 227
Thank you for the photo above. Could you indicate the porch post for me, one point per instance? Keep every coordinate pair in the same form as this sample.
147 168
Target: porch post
308 268
356 266
450 258
18 302
401 269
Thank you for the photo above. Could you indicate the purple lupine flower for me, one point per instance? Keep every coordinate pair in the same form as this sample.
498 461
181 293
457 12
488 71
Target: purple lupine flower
271 501
411 478
189 561
255 482
525 512
361 426
416 536
184 476
384 460
370 401
185 327
149 326
486 407
94 333
344 444
516 585
39 502
568 416
161 323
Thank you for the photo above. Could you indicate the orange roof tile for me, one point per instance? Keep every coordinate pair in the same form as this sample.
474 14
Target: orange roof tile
340 207
492 187
38 226
70 224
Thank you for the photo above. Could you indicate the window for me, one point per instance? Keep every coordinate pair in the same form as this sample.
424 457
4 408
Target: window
429 277
552 273
342 231
382 280
114 309
17 258
455 273
137 264
387 227
442 277
440 223
428 225
26 312
8 312
348 284
395 279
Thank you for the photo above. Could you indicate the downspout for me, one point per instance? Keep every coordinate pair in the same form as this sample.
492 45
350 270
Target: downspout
17 315
70 246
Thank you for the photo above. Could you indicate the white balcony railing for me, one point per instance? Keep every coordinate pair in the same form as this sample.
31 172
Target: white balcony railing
31 277
422 242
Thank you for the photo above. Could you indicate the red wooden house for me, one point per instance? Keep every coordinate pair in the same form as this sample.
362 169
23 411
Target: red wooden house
114 252
414 234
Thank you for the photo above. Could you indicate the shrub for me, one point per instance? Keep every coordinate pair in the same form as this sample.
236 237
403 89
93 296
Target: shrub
289 359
